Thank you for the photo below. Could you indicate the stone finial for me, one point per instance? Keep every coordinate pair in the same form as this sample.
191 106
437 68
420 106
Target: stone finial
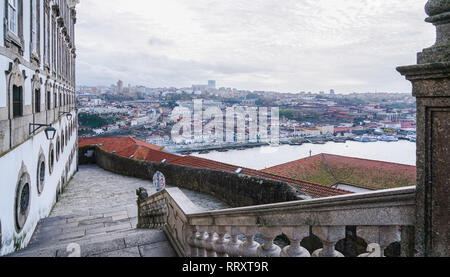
439 16
435 7
142 194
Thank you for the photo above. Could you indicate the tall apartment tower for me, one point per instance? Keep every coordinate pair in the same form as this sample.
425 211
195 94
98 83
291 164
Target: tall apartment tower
212 84
119 86
38 119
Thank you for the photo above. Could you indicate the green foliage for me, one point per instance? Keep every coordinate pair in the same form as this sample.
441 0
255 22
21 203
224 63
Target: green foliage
95 120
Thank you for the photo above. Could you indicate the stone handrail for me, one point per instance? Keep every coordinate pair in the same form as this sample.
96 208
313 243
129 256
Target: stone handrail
381 218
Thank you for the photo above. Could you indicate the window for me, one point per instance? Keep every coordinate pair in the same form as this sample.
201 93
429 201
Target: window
17 101
41 174
34 27
58 148
23 200
54 99
37 101
13 16
51 158
46 34
49 104
62 141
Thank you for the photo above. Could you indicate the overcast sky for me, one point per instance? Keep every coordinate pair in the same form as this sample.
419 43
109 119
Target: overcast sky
278 45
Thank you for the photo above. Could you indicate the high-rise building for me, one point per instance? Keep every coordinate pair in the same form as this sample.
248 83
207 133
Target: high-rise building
212 84
38 120
332 91
119 86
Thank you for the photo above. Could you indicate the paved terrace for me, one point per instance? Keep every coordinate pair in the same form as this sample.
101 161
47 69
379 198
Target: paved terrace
98 211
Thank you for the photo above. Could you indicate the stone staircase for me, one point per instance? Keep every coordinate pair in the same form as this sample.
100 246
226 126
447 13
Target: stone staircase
97 215
100 235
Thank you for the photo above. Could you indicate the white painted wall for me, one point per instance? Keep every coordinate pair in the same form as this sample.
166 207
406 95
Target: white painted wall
41 205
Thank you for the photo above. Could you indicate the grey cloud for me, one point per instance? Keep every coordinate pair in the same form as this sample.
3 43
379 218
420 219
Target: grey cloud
293 45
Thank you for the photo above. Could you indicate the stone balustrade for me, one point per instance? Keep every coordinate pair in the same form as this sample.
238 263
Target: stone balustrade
381 218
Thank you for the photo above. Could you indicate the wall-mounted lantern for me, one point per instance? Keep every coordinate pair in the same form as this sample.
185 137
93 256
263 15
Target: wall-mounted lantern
50 132
68 115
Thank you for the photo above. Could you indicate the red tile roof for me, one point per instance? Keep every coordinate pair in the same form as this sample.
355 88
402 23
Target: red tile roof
130 148
138 150
328 170
309 188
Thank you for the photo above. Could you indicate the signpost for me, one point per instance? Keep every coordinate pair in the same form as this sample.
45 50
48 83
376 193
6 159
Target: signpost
159 181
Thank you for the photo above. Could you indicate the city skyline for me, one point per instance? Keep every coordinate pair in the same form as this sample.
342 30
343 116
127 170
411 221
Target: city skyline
313 46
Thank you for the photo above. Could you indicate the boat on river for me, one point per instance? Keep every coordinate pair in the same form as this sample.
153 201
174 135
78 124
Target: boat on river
388 138
366 138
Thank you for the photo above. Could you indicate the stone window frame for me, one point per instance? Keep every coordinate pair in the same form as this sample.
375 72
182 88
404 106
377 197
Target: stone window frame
16 78
41 164
35 41
36 90
14 40
51 158
23 185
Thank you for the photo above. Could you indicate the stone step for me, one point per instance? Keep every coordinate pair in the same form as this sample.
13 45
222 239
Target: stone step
131 243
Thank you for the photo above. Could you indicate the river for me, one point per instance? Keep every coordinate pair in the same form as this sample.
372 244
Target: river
403 152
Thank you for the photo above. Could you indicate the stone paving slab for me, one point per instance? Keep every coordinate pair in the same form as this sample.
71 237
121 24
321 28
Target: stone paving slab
159 249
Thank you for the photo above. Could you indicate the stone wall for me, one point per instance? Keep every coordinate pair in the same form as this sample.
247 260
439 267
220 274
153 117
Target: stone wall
234 189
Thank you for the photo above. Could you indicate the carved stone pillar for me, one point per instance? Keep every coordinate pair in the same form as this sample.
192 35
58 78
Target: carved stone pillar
295 235
250 246
431 86
329 235
383 236
199 242
191 235
269 249
209 242
234 243
221 243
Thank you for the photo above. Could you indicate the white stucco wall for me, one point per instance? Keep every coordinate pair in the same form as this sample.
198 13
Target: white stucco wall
41 205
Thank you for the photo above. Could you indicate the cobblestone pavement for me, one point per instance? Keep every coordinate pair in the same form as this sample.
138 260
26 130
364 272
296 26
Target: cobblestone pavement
98 212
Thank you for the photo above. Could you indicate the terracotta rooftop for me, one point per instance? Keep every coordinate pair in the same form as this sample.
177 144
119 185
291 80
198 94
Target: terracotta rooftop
130 148
314 190
328 170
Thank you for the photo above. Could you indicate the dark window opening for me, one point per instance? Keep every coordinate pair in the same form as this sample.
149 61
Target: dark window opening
24 199
37 101
49 105
17 101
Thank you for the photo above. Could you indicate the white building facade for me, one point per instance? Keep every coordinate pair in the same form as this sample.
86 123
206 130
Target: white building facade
37 100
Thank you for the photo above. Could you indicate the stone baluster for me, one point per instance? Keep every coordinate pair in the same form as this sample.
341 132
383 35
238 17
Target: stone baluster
383 236
234 243
221 243
269 249
295 235
191 235
209 242
250 246
199 242
329 235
